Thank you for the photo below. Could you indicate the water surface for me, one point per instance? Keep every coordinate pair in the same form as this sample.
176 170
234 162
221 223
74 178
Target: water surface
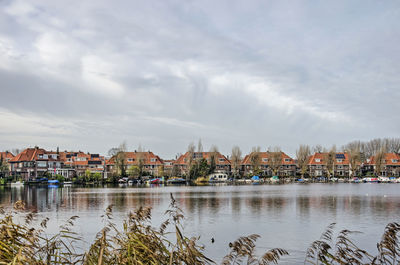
288 216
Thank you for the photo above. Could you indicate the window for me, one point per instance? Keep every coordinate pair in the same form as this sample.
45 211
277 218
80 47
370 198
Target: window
340 167
319 167
265 159
287 159
131 159
152 160
339 160
221 160
395 161
317 160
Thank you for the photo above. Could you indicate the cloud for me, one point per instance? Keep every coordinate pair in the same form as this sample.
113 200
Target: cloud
166 73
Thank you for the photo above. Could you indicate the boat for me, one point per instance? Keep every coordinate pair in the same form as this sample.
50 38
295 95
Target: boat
218 177
384 179
67 182
371 180
17 184
274 179
255 179
155 181
52 181
176 181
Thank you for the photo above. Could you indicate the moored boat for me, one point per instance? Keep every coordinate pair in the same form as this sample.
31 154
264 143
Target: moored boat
176 181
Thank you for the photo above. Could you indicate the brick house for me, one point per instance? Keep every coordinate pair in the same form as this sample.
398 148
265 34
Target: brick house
35 163
80 162
317 165
5 157
390 165
286 167
222 163
152 163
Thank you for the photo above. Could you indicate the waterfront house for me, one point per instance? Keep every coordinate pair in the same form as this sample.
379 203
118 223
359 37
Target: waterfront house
269 164
222 163
318 165
5 157
151 164
82 162
390 165
35 163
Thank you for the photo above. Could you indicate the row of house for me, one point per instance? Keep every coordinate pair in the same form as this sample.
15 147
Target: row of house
37 162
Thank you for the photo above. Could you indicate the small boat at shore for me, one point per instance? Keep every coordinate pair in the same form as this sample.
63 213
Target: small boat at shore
155 181
17 184
176 181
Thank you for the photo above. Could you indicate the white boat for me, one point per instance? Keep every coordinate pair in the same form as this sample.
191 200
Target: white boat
17 184
218 177
384 179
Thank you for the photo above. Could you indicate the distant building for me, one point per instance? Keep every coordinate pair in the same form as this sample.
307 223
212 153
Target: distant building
5 157
222 164
286 166
35 163
317 165
81 162
152 164
390 165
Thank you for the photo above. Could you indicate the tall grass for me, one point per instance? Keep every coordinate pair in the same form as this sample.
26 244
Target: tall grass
23 240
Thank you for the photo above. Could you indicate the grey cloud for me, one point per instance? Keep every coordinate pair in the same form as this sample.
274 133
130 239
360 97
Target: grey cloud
166 73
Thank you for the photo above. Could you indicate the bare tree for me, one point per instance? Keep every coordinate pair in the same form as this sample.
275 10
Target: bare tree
236 157
330 162
199 146
380 160
275 160
140 159
255 159
318 148
213 158
303 156
190 159
354 160
119 156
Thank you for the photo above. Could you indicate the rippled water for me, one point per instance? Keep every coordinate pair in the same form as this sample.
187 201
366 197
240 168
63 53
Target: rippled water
288 216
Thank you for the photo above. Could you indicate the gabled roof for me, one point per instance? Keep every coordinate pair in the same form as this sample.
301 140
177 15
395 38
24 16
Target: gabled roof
221 159
131 158
341 158
265 158
389 159
29 154
6 155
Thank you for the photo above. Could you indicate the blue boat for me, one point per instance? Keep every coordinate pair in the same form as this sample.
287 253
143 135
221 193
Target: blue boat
53 181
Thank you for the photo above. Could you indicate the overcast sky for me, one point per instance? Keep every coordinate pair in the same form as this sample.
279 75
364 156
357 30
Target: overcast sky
89 75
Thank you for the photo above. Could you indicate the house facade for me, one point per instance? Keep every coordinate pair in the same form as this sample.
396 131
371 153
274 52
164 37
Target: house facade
151 163
36 162
285 166
81 162
222 163
390 165
318 165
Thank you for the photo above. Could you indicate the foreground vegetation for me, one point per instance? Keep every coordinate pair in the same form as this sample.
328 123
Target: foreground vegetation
26 242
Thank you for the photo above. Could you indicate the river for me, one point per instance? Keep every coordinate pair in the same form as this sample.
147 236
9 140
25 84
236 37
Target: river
288 216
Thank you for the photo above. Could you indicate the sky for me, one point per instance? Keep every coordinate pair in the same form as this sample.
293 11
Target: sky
89 75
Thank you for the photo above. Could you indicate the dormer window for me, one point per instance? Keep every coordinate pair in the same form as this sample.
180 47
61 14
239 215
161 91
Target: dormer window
339 160
287 159
131 159
395 161
152 160
317 160
265 159
40 155
221 160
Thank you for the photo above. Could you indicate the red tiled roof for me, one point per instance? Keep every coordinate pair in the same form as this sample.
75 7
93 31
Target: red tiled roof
323 156
221 159
131 158
390 159
265 158
6 155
